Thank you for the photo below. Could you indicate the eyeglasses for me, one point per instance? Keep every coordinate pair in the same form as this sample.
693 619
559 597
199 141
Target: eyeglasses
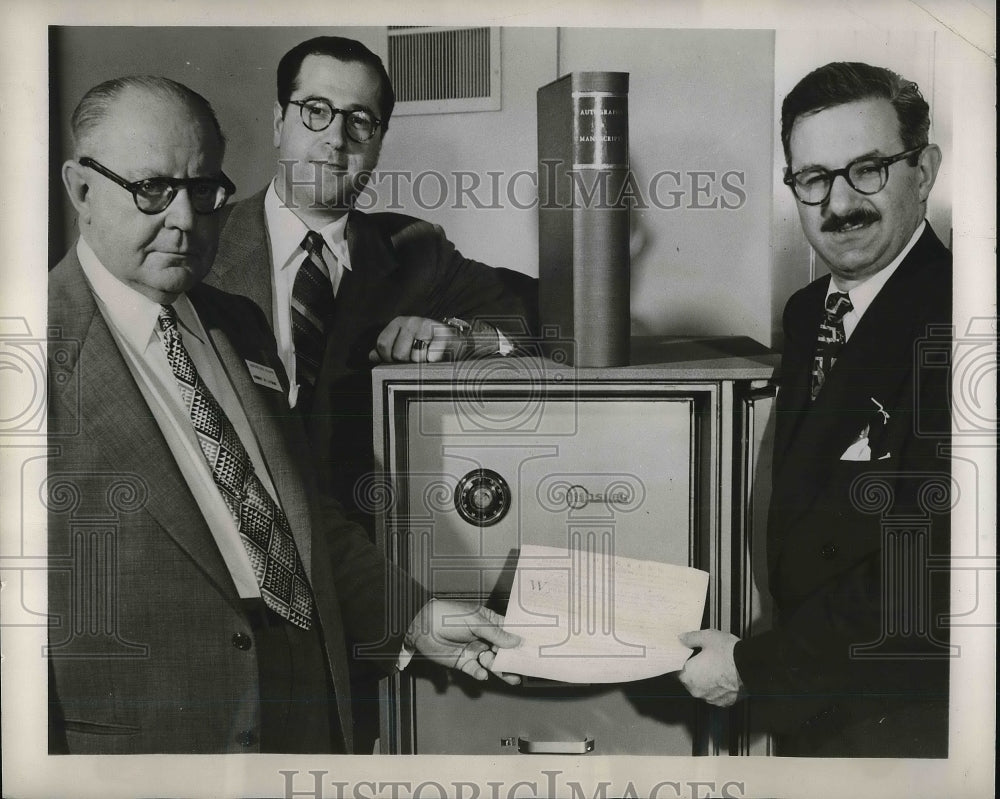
153 195
866 175
317 114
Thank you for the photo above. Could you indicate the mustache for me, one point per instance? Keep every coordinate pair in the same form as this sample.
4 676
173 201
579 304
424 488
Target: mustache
862 216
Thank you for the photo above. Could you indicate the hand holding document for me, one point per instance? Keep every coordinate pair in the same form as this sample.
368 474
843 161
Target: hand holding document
589 617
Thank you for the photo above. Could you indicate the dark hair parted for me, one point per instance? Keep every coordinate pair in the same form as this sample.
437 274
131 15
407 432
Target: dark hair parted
347 50
97 103
847 82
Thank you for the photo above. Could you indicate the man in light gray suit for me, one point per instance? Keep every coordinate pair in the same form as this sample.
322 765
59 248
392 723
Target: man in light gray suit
211 609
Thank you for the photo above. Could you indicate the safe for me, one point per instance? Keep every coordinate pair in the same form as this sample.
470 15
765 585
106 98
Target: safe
666 459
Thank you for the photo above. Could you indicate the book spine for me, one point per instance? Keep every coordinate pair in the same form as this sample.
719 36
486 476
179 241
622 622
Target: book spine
584 217
601 226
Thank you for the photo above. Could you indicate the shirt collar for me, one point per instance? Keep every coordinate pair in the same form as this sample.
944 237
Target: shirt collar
863 294
287 232
132 314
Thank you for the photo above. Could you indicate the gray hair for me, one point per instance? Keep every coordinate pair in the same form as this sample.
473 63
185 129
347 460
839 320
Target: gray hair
97 103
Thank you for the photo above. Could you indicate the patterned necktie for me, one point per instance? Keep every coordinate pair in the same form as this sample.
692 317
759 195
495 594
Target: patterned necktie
830 339
261 523
312 312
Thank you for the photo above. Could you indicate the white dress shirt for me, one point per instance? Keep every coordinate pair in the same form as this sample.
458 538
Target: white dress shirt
132 318
286 232
864 294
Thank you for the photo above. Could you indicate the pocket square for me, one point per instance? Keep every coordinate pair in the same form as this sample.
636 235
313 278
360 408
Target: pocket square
871 438
878 426
860 449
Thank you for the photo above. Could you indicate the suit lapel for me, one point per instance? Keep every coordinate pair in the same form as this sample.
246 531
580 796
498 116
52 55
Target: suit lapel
113 415
366 243
874 365
794 403
243 264
364 294
373 263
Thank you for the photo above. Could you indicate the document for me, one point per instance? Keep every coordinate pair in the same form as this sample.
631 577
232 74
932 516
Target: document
590 617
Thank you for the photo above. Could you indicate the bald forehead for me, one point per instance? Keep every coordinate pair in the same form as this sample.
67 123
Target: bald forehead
162 117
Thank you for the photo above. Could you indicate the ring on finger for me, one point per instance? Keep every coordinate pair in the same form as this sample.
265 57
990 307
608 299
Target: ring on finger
419 344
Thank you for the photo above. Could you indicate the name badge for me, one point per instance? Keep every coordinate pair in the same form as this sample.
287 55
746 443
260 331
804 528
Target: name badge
263 375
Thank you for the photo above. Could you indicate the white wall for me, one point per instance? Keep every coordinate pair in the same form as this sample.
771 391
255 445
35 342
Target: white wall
699 101
501 141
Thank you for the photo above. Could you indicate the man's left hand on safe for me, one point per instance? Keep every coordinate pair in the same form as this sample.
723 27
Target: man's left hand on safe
462 636
710 673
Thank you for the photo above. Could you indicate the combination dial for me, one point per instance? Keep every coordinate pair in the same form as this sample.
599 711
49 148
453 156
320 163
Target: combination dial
482 497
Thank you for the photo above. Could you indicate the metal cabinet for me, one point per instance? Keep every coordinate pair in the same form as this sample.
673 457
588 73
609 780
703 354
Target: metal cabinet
662 460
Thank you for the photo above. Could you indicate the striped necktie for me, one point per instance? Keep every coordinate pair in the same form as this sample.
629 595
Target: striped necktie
830 339
312 313
261 523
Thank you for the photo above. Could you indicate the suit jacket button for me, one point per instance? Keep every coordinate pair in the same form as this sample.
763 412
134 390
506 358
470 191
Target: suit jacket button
246 738
828 551
242 641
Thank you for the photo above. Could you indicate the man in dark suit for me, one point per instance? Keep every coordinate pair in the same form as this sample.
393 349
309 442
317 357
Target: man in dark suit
858 528
202 594
382 287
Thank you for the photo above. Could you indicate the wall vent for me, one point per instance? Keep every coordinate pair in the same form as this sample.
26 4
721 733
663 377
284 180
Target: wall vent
444 70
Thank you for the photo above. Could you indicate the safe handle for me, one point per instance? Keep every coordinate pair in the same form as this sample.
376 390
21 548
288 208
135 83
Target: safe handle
528 747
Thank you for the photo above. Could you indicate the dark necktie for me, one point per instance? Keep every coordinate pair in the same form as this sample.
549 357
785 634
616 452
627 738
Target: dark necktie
830 339
312 312
261 523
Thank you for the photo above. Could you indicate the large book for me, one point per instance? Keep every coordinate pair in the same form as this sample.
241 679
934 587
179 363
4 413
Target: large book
583 218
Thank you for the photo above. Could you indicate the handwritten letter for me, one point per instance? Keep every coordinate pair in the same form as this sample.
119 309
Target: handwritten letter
590 617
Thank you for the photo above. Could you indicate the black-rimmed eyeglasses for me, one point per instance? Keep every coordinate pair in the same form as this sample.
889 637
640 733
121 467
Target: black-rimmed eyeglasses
153 195
318 114
866 175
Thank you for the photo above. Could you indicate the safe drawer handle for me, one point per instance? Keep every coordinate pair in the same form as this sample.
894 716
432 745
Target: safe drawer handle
526 747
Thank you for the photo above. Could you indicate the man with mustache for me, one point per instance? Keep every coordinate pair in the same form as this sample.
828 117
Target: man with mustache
203 595
344 289
857 661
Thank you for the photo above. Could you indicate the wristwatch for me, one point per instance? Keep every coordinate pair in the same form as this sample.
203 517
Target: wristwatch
460 325
479 339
